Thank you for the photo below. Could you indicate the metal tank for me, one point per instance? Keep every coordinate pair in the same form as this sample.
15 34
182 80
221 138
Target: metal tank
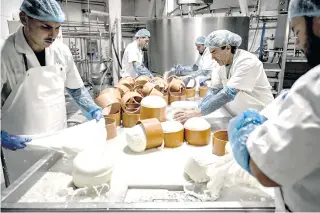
172 40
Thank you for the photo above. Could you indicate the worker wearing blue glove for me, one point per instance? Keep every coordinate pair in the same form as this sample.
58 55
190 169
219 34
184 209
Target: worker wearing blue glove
238 131
13 142
204 64
36 68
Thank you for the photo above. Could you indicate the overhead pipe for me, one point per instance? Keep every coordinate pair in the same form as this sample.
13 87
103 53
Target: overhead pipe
100 13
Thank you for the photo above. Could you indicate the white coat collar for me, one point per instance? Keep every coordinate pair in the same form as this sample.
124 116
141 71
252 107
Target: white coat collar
23 47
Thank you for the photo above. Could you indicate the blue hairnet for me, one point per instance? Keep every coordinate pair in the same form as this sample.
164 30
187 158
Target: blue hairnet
200 40
298 8
142 33
220 38
43 10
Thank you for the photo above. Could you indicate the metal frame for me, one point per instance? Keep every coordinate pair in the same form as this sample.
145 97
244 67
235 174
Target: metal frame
284 57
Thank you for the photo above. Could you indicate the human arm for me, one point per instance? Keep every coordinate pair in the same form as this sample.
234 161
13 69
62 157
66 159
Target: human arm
215 99
140 69
75 88
85 102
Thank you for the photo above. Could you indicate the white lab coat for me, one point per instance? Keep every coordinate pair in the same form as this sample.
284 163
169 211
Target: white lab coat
36 103
132 53
246 74
286 147
205 61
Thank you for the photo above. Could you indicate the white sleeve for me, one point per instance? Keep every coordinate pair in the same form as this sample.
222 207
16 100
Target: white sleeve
73 79
133 55
286 148
209 63
245 75
198 60
216 80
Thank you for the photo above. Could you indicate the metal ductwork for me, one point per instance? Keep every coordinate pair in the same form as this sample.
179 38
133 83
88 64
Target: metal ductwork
194 1
172 39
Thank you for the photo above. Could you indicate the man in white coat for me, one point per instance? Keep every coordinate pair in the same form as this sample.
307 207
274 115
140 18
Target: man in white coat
239 84
204 64
280 146
132 61
35 71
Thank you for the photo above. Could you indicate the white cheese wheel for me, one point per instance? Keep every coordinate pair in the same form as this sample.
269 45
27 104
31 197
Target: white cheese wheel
171 126
197 124
196 167
91 168
153 102
136 138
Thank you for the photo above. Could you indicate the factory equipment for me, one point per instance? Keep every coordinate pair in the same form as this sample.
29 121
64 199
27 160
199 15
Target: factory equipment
194 1
172 40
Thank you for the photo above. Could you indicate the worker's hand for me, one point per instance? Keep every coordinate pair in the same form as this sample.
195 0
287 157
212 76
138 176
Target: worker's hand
97 115
183 115
202 81
13 142
195 67
239 130
178 69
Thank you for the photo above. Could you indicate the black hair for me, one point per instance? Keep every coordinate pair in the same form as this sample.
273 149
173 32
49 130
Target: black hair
233 49
313 43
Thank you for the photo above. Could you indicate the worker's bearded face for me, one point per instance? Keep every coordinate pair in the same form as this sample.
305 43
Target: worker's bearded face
200 48
143 43
306 30
40 34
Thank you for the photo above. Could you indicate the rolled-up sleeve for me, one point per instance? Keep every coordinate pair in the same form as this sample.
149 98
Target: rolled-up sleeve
286 147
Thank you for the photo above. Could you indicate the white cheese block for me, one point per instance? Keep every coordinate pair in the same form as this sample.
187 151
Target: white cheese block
197 124
196 167
153 102
91 168
136 138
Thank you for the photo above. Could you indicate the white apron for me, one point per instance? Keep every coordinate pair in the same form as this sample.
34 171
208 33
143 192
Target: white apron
242 100
36 104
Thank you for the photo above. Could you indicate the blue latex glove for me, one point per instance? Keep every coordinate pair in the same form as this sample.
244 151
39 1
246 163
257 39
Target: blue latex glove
97 115
13 142
84 101
239 130
202 81
186 80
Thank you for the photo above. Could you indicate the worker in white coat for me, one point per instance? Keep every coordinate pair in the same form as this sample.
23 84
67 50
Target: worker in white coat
204 64
132 61
280 146
240 83
35 71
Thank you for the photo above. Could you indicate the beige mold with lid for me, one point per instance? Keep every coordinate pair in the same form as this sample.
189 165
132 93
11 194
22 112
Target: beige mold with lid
153 107
197 131
173 134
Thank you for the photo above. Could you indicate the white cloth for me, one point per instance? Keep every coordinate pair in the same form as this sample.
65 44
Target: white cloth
286 147
132 53
246 74
36 104
205 61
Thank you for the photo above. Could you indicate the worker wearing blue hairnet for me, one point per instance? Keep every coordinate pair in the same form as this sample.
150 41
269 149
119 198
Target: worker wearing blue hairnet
35 70
239 84
280 145
202 67
132 61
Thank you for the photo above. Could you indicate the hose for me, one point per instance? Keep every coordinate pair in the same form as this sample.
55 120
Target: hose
114 48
